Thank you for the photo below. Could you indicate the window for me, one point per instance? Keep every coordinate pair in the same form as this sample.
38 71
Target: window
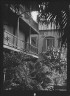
50 42
34 41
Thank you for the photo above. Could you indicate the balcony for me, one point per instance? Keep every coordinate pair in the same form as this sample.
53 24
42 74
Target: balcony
12 41
31 49
27 18
25 15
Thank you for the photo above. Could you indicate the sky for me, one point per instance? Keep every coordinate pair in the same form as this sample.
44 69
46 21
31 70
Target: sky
54 7
34 15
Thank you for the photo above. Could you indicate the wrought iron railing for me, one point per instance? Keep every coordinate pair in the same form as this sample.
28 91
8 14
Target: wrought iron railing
13 41
32 48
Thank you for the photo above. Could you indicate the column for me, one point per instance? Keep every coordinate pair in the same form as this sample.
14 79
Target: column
17 31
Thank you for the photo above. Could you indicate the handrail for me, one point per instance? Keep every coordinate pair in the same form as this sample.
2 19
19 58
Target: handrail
13 35
31 45
19 39
28 46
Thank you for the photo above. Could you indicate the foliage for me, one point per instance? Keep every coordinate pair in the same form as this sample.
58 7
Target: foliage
56 67
17 68
51 70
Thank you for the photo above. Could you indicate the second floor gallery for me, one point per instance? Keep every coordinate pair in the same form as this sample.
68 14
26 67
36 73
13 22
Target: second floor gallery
22 33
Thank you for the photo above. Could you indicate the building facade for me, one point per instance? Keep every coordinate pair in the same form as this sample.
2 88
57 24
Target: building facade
49 35
17 27
22 34
49 38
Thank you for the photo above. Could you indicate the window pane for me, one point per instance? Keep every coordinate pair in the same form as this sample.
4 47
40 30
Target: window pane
50 42
34 41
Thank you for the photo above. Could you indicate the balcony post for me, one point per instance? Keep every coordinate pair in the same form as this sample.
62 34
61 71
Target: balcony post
30 31
17 30
4 74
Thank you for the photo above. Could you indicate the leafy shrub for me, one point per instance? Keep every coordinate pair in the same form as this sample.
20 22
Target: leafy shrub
18 69
51 70
54 64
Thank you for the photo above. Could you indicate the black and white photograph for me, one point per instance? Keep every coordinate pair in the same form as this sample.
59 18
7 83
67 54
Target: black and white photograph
35 45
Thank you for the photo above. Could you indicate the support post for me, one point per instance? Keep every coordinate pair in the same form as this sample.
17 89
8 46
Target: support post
30 28
17 31
4 74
